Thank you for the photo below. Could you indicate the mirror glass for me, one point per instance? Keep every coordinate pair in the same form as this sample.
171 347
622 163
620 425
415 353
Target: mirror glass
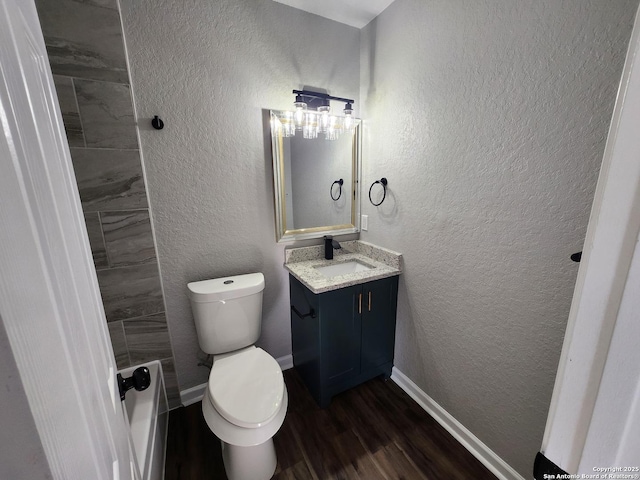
315 181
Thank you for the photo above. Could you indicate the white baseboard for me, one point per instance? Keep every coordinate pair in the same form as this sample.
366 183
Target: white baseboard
285 362
194 394
478 449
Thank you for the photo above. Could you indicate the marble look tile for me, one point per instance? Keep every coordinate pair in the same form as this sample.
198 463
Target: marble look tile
107 114
96 241
119 344
69 109
109 179
128 237
129 292
171 383
84 39
147 338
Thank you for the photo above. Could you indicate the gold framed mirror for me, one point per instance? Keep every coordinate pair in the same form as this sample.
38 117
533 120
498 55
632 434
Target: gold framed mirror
316 181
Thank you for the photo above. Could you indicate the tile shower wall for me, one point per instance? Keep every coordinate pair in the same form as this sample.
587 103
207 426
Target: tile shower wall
86 51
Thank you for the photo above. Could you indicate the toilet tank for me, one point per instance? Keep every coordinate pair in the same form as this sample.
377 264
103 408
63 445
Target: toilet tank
227 311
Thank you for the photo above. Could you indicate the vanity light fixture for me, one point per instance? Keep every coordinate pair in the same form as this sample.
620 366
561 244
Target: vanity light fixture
312 116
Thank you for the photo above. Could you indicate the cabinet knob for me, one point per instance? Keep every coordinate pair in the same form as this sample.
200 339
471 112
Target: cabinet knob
359 303
369 300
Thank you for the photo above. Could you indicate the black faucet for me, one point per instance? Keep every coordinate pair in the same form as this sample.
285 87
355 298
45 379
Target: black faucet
329 245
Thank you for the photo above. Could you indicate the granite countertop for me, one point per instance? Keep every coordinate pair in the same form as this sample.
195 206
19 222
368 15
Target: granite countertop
302 262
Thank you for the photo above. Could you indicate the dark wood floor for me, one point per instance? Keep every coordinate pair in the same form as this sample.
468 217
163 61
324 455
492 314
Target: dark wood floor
374 431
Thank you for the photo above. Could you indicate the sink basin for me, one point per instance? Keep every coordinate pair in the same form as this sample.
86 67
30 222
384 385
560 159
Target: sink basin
342 268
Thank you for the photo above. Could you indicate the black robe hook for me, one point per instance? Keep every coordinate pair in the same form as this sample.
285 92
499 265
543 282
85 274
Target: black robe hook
157 123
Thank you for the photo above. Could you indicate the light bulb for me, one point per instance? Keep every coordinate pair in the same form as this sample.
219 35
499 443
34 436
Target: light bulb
301 106
348 122
299 115
348 119
325 120
324 110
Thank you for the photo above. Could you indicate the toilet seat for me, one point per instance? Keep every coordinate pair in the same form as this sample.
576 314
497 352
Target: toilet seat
246 388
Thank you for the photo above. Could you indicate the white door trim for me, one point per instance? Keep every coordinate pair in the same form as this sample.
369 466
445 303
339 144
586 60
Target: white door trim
50 303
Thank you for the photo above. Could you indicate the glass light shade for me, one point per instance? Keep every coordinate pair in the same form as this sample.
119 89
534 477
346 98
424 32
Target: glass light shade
310 127
333 129
348 122
288 125
332 134
348 119
323 111
299 115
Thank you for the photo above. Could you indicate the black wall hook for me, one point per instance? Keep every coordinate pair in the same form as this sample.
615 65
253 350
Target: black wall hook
383 182
157 123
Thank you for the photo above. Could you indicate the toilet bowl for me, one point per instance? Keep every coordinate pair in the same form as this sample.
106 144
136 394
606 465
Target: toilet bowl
246 399
245 414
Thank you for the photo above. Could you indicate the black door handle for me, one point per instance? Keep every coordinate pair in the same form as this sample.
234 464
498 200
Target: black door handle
140 380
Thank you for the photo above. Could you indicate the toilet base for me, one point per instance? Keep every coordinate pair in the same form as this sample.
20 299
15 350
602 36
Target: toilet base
249 463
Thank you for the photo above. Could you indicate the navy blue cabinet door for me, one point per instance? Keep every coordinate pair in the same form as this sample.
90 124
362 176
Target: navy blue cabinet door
379 300
340 334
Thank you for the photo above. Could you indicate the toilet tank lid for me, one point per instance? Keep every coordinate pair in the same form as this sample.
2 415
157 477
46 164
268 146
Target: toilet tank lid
226 288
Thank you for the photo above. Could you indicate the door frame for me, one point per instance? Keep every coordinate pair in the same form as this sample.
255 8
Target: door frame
53 320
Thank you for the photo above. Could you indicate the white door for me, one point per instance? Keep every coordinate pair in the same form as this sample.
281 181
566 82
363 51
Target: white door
50 304
594 417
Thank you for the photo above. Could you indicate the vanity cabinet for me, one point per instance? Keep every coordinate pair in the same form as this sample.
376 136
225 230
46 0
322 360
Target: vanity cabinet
343 337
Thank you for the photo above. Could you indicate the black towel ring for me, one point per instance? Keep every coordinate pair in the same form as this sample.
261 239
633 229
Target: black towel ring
339 182
383 182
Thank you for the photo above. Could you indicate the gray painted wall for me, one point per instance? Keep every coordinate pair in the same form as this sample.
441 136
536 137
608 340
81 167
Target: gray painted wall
212 71
489 118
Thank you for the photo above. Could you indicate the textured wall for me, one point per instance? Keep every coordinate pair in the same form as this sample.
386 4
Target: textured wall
87 55
489 118
210 70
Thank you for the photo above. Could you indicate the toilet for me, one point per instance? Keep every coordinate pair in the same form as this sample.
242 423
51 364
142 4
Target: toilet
246 399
